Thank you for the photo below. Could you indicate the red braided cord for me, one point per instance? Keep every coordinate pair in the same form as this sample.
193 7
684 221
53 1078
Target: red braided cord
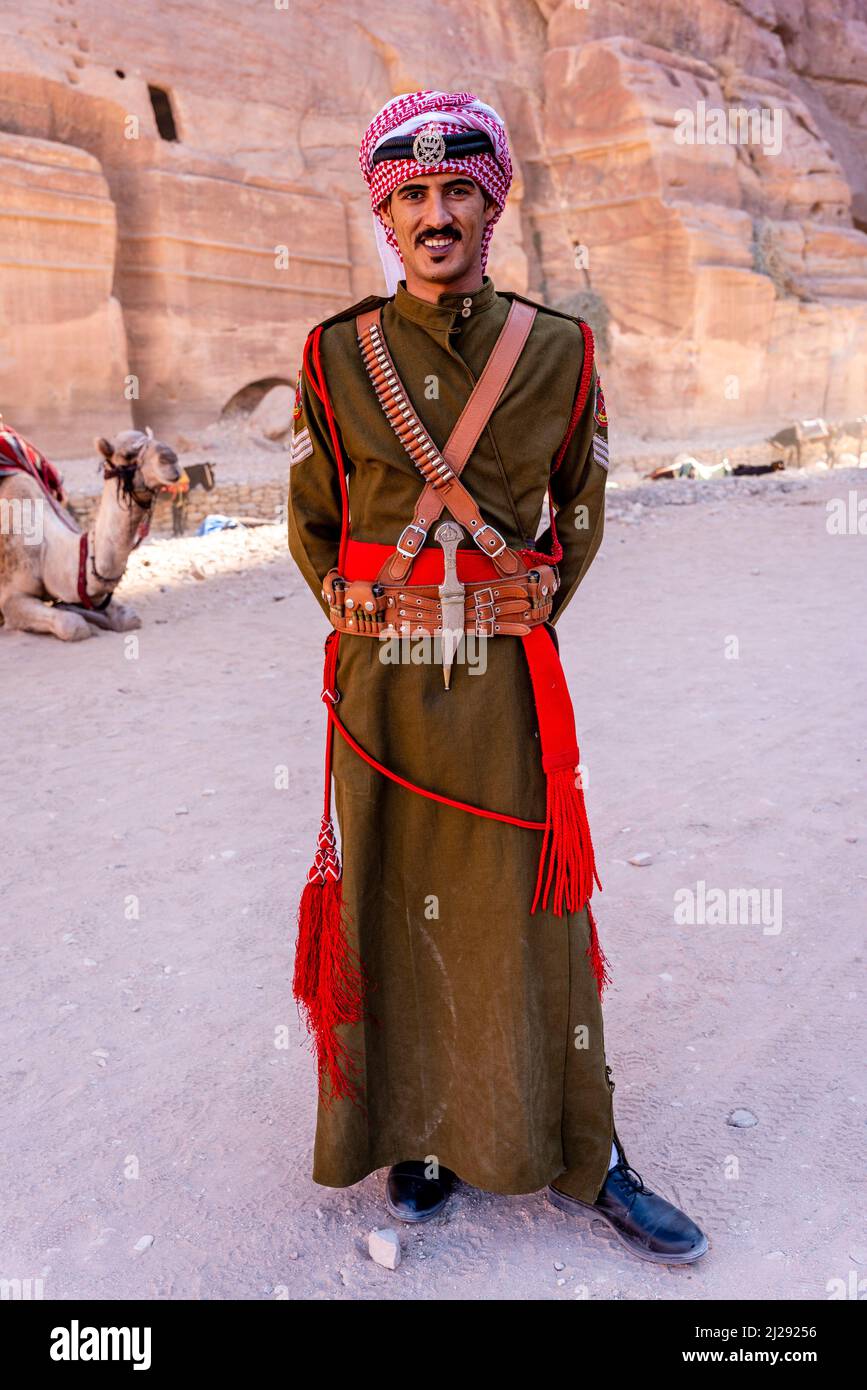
581 397
331 695
432 796
535 557
316 377
308 366
335 441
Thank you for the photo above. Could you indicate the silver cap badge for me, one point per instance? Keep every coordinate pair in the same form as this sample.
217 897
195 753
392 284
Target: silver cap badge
429 146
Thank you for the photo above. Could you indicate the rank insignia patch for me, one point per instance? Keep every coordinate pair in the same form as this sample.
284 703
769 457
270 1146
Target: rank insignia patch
600 450
599 415
302 446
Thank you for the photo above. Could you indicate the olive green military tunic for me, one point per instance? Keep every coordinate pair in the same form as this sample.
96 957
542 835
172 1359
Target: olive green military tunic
483 1043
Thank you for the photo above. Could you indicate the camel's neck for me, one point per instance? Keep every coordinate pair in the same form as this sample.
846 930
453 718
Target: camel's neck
117 521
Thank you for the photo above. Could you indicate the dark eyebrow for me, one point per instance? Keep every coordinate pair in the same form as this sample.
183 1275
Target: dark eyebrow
422 187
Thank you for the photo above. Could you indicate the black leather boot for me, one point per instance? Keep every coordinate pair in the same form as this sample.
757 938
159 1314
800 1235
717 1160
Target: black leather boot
648 1225
410 1196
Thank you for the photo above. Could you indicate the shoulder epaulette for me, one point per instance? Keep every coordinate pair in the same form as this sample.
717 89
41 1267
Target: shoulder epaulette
543 308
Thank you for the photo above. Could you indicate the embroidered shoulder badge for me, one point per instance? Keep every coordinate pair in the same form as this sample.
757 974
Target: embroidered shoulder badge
599 415
600 433
301 446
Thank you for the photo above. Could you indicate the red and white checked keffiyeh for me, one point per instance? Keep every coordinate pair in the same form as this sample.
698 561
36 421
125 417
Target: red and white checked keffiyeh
447 111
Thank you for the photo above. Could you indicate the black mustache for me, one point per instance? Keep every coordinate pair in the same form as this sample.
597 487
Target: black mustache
438 231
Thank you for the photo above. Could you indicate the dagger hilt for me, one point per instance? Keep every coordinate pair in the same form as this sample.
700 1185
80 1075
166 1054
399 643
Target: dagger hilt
451 594
449 536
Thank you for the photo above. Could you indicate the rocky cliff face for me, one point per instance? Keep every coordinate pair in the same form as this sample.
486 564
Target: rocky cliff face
181 198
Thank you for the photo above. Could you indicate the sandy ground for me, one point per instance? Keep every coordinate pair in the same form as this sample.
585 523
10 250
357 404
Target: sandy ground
151 870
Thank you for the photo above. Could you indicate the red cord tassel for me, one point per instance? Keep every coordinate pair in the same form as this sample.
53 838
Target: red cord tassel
597 957
567 852
566 846
329 981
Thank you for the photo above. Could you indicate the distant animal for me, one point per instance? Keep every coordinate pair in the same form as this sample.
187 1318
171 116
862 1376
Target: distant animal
751 470
791 440
55 577
194 475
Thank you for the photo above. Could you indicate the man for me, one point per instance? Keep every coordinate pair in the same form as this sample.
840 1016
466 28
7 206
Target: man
451 974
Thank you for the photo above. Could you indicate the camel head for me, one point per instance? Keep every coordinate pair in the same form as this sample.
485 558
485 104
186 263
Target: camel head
140 463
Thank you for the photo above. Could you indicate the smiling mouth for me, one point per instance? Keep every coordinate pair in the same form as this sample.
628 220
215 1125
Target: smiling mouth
438 245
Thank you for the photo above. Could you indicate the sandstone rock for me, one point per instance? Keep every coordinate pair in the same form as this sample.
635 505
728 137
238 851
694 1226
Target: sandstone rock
160 279
63 359
273 415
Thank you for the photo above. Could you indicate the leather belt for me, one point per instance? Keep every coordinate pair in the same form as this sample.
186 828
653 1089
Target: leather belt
494 607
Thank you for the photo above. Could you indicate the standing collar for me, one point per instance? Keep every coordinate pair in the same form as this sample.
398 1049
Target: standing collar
442 315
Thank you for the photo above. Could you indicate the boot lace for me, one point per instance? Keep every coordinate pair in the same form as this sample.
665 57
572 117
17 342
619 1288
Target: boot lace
624 1169
629 1176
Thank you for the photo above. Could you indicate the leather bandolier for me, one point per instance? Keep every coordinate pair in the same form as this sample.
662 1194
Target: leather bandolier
512 599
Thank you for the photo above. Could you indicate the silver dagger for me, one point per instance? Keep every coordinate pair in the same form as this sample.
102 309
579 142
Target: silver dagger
451 593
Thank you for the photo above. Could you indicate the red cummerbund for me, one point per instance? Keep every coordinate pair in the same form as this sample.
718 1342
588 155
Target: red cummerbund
364 560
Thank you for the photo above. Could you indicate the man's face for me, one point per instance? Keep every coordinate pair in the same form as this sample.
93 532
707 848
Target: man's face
438 220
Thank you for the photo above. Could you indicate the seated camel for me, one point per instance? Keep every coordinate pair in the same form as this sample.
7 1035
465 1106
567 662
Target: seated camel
56 578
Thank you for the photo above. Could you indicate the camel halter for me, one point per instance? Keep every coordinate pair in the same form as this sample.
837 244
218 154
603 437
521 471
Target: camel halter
125 474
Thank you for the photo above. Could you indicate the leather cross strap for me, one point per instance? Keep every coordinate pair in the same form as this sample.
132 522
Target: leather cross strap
441 470
483 401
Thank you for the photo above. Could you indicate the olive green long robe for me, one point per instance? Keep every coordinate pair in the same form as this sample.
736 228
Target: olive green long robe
485 1047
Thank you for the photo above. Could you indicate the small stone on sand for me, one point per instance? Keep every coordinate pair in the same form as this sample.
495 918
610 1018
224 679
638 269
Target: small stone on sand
742 1119
384 1248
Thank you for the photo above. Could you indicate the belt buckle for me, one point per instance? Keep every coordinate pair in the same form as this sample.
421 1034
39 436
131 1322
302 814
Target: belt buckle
478 535
479 603
410 554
